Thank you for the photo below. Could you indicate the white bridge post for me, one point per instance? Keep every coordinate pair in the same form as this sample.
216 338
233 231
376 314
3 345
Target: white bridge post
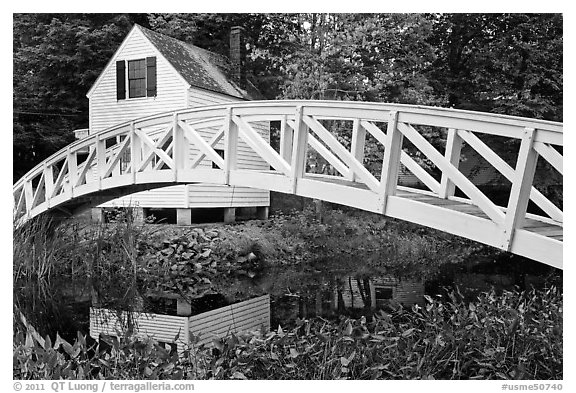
231 148
299 146
358 142
286 139
48 182
452 154
135 151
72 161
100 160
179 147
521 188
391 162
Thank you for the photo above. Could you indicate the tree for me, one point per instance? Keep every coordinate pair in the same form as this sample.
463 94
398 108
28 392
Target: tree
500 63
57 58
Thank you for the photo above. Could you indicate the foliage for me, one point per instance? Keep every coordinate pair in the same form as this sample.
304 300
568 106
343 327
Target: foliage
112 359
363 57
514 335
501 63
511 336
57 58
37 248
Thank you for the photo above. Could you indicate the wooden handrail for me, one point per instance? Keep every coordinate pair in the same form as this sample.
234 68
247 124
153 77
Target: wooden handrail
164 159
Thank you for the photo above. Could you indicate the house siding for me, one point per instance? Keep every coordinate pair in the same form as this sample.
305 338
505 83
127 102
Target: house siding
106 110
206 195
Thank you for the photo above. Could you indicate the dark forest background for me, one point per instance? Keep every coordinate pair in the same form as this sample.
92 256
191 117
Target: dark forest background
499 63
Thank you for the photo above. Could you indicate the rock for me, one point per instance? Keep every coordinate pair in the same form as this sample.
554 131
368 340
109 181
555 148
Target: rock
212 234
251 256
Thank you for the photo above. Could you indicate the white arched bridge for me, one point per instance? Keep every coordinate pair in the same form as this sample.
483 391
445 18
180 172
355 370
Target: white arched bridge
381 141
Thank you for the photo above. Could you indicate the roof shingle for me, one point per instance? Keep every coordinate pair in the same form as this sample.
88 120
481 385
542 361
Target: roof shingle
199 67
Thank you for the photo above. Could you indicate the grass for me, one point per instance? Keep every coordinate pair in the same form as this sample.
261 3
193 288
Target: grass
497 336
517 335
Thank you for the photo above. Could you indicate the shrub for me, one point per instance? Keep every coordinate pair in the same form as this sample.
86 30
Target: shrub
512 336
517 335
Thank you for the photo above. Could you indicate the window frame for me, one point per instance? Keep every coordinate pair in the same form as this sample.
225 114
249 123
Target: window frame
220 152
127 74
129 79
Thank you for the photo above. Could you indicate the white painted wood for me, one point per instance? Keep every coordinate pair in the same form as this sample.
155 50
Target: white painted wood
521 187
538 248
342 153
38 192
115 159
457 223
273 181
313 187
453 173
100 159
72 163
86 165
231 152
405 159
179 147
331 158
212 143
391 161
357 147
160 164
87 178
59 183
20 203
257 143
192 135
155 148
502 166
286 139
48 181
452 154
299 146
551 155
106 110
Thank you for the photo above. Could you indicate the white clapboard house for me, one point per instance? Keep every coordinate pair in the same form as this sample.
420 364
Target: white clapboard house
152 73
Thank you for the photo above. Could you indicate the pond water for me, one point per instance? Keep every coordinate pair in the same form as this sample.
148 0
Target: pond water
326 288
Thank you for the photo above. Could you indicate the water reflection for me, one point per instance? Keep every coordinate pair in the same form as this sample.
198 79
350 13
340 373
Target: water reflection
329 295
348 295
326 289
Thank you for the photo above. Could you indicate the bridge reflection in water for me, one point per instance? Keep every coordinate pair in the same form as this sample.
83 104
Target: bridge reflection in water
349 295
356 295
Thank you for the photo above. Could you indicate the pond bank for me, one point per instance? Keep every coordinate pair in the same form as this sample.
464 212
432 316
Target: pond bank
343 266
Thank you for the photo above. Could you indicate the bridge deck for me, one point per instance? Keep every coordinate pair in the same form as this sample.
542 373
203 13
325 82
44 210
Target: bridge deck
170 148
550 230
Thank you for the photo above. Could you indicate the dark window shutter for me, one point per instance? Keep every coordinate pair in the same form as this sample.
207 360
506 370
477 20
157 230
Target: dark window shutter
151 77
120 80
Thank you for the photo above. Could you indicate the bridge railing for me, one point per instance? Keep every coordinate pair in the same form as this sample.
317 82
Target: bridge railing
157 149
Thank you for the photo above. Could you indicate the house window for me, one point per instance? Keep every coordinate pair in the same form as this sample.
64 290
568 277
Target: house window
221 154
137 78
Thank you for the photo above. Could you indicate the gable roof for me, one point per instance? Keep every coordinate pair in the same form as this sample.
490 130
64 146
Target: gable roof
196 66
199 67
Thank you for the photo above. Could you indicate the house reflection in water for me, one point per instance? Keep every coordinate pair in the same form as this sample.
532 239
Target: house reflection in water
377 292
349 295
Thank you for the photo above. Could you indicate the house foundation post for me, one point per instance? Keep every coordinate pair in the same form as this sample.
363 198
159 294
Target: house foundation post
229 215
97 215
262 212
184 216
138 215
